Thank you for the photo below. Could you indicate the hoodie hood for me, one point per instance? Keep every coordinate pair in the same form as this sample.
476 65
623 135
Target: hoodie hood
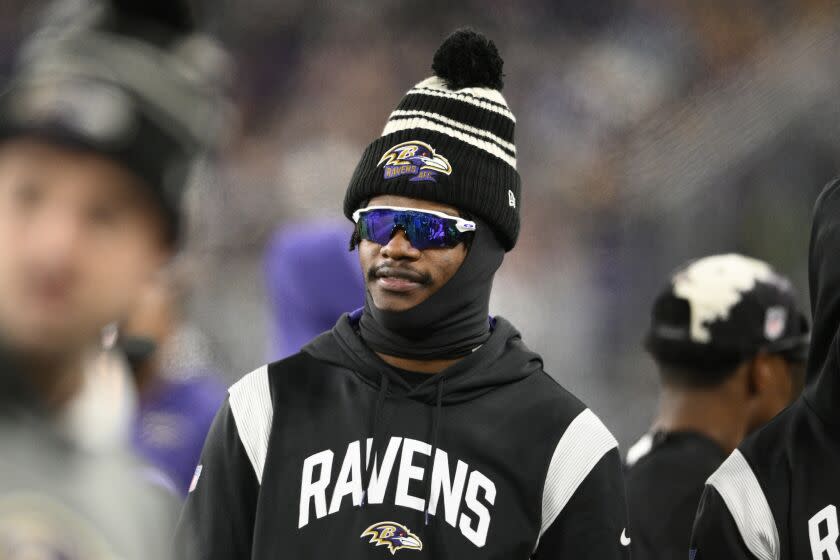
823 391
503 359
311 279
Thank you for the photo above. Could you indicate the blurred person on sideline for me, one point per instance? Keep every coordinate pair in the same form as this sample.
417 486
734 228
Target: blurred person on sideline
776 496
730 343
109 107
177 399
311 280
419 423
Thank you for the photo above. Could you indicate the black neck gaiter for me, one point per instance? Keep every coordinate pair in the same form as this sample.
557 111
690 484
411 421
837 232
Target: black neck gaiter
452 322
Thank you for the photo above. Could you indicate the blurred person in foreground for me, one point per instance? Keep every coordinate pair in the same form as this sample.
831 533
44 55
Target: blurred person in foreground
178 398
730 343
418 425
311 279
776 496
103 118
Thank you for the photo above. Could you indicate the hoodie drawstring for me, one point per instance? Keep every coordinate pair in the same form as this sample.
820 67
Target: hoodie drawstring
377 429
427 478
375 435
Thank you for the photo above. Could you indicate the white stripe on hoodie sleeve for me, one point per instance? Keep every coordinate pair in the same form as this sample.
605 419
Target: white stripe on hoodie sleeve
250 403
583 444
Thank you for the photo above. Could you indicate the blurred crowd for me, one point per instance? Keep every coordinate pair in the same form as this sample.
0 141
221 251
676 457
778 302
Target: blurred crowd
650 132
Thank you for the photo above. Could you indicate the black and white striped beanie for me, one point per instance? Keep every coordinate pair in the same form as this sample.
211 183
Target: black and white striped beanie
450 140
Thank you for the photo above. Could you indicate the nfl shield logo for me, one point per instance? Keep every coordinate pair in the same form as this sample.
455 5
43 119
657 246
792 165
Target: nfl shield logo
775 323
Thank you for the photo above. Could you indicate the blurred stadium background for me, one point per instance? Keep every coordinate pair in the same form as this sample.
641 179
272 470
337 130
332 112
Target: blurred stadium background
649 132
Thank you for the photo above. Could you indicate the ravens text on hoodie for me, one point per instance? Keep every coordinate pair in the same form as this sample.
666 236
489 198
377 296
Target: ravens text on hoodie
489 459
777 496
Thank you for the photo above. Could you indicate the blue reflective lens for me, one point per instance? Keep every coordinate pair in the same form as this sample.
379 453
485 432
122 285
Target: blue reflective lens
424 231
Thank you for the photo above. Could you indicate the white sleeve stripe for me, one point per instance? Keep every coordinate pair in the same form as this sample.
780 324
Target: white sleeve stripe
250 403
741 492
639 449
581 447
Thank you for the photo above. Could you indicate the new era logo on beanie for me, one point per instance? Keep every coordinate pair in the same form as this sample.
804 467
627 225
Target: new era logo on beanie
450 140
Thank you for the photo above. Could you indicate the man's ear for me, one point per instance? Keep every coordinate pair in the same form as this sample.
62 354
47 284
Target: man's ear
756 377
773 384
760 374
767 369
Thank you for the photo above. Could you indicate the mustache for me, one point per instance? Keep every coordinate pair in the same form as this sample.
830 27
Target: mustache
391 271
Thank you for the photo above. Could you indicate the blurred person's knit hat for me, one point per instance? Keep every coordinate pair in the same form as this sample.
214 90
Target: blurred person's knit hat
450 140
720 310
134 81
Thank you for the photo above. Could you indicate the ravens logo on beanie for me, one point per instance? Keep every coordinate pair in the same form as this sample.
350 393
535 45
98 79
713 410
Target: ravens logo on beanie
450 140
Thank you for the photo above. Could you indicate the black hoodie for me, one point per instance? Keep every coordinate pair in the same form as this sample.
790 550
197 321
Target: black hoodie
488 459
776 497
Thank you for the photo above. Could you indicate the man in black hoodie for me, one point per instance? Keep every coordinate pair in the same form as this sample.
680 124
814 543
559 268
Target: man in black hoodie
776 496
417 426
730 343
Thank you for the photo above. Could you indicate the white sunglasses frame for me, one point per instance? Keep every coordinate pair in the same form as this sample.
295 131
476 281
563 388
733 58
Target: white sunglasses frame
461 224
